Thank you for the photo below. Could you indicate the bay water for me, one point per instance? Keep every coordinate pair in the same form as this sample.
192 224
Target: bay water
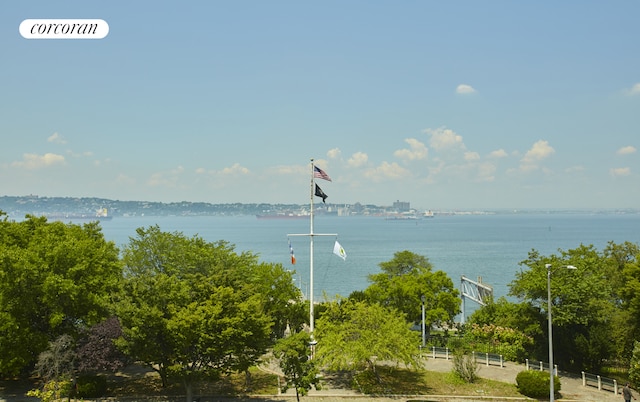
486 246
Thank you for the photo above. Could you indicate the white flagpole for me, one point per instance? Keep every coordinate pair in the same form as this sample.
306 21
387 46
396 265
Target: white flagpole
311 315
311 235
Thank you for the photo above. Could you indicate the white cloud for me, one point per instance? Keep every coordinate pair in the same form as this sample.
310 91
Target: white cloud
574 169
166 179
358 159
235 170
619 172
417 151
471 156
626 150
465 89
85 154
486 172
634 90
124 179
539 151
33 161
498 153
334 153
287 170
56 138
444 138
388 171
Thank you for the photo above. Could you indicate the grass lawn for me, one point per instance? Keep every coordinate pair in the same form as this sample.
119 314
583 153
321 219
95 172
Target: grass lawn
394 381
410 382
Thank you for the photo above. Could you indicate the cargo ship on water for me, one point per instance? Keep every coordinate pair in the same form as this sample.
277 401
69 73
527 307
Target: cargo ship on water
285 215
101 214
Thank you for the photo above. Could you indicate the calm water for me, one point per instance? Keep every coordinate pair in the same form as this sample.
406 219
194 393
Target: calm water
486 246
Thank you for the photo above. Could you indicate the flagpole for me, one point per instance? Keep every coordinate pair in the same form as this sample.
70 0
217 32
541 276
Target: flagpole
311 235
311 312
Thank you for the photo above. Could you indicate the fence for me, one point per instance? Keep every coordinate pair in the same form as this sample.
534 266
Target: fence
489 358
437 351
540 366
486 358
602 383
593 380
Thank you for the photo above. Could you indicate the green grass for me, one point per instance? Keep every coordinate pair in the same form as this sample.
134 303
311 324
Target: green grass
393 381
147 383
412 382
138 381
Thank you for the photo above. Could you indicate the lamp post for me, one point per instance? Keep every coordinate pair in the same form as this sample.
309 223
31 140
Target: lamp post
551 371
424 336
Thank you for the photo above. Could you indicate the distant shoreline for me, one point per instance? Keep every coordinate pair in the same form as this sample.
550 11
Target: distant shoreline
20 206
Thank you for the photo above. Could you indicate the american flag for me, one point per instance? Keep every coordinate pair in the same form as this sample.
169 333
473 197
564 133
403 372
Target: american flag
320 174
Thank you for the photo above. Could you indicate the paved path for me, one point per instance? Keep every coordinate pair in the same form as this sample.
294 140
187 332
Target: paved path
571 388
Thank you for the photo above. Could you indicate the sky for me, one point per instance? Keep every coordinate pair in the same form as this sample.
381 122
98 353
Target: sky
446 105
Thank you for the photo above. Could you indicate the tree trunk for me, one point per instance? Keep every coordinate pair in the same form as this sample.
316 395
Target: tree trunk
247 380
188 388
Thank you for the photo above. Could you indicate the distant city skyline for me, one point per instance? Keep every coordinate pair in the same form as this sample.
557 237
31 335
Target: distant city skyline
466 105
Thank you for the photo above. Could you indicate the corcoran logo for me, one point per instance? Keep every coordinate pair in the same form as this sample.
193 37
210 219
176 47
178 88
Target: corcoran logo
64 29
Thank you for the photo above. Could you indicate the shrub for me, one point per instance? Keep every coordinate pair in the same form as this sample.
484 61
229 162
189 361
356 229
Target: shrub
535 384
52 391
91 386
509 342
465 367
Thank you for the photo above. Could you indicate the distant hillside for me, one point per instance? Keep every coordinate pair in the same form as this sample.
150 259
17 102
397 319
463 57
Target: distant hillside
19 206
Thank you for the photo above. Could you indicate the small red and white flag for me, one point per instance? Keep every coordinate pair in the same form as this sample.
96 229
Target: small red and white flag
293 257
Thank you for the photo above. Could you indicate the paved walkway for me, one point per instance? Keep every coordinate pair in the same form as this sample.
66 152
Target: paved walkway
571 388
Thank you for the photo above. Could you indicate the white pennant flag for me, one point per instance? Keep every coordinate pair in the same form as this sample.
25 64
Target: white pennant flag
339 251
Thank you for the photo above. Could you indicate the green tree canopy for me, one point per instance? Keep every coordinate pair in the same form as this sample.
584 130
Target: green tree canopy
55 279
581 300
624 275
355 335
405 279
521 316
294 354
194 308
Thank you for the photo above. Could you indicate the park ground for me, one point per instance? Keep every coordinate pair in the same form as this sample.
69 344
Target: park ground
571 390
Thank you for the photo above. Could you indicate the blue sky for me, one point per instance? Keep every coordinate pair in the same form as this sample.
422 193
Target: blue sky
468 104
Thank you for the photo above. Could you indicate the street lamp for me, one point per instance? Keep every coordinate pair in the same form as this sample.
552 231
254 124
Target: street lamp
551 371
424 336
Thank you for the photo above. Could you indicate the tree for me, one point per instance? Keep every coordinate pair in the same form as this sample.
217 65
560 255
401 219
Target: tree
55 367
624 275
300 371
97 351
581 302
355 335
282 299
489 338
55 279
512 318
192 308
520 316
405 279
634 367
57 362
